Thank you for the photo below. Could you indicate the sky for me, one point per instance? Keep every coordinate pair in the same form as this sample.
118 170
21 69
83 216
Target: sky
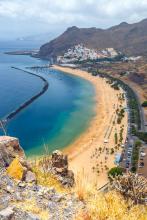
19 18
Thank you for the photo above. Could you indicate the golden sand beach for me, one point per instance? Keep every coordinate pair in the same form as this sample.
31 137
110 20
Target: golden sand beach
89 153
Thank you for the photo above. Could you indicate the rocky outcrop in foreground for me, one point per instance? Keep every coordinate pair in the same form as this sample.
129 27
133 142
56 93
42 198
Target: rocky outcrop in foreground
59 167
20 195
20 200
9 150
12 158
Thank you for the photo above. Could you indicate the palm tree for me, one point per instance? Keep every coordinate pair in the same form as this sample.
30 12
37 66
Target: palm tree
93 168
100 149
98 172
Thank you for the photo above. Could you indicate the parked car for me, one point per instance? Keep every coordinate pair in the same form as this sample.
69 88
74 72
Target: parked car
141 164
143 154
127 161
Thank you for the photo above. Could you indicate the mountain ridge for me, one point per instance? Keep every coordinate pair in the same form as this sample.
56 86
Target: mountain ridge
130 39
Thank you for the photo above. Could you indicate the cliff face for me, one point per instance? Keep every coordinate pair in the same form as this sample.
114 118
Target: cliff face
29 190
128 38
9 149
46 198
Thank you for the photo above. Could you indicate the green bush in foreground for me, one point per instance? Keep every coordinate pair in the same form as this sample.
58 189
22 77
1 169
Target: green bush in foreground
144 104
115 171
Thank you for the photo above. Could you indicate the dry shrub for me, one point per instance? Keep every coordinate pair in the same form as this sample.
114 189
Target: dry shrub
83 216
41 167
132 186
82 187
31 206
47 179
112 206
109 205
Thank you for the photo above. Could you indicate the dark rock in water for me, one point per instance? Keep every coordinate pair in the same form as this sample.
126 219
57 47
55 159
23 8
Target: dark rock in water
59 167
9 149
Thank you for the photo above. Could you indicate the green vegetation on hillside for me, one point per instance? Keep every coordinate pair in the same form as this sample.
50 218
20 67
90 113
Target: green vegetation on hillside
144 104
135 156
115 171
131 96
141 135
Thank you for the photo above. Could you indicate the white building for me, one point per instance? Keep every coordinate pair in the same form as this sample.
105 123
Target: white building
81 53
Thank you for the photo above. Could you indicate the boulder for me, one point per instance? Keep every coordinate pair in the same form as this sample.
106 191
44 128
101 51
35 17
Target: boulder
6 214
9 149
59 160
19 172
16 170
59 167
4 202
30 177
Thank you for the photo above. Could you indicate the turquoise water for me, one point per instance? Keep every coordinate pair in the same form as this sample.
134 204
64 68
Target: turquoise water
56 118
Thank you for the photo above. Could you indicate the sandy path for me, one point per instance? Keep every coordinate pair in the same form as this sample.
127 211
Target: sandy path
84 153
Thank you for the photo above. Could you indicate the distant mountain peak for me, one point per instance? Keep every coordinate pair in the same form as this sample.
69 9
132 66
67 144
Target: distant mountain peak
130 39
144 20
122 24
73 28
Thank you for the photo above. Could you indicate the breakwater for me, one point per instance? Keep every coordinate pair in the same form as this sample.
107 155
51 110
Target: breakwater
32 99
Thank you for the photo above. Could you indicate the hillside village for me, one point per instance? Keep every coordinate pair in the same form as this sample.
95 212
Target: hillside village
81 53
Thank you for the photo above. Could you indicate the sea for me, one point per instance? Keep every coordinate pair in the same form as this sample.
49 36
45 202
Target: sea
56 118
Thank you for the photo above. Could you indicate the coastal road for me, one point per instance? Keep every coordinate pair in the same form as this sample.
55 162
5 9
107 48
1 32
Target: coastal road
141 111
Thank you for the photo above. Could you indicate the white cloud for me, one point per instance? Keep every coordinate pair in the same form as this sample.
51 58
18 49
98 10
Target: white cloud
63 13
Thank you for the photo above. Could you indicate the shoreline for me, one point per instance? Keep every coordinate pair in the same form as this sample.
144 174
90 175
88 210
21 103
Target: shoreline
32 99
83 153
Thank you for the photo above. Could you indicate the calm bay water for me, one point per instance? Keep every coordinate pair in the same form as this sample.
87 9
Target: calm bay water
56 118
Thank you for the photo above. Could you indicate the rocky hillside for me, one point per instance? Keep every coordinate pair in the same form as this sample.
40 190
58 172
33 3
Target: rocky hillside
128 38
9 150
35 190
45 190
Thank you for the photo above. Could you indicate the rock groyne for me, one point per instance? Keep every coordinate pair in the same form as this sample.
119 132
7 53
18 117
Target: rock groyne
32 99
